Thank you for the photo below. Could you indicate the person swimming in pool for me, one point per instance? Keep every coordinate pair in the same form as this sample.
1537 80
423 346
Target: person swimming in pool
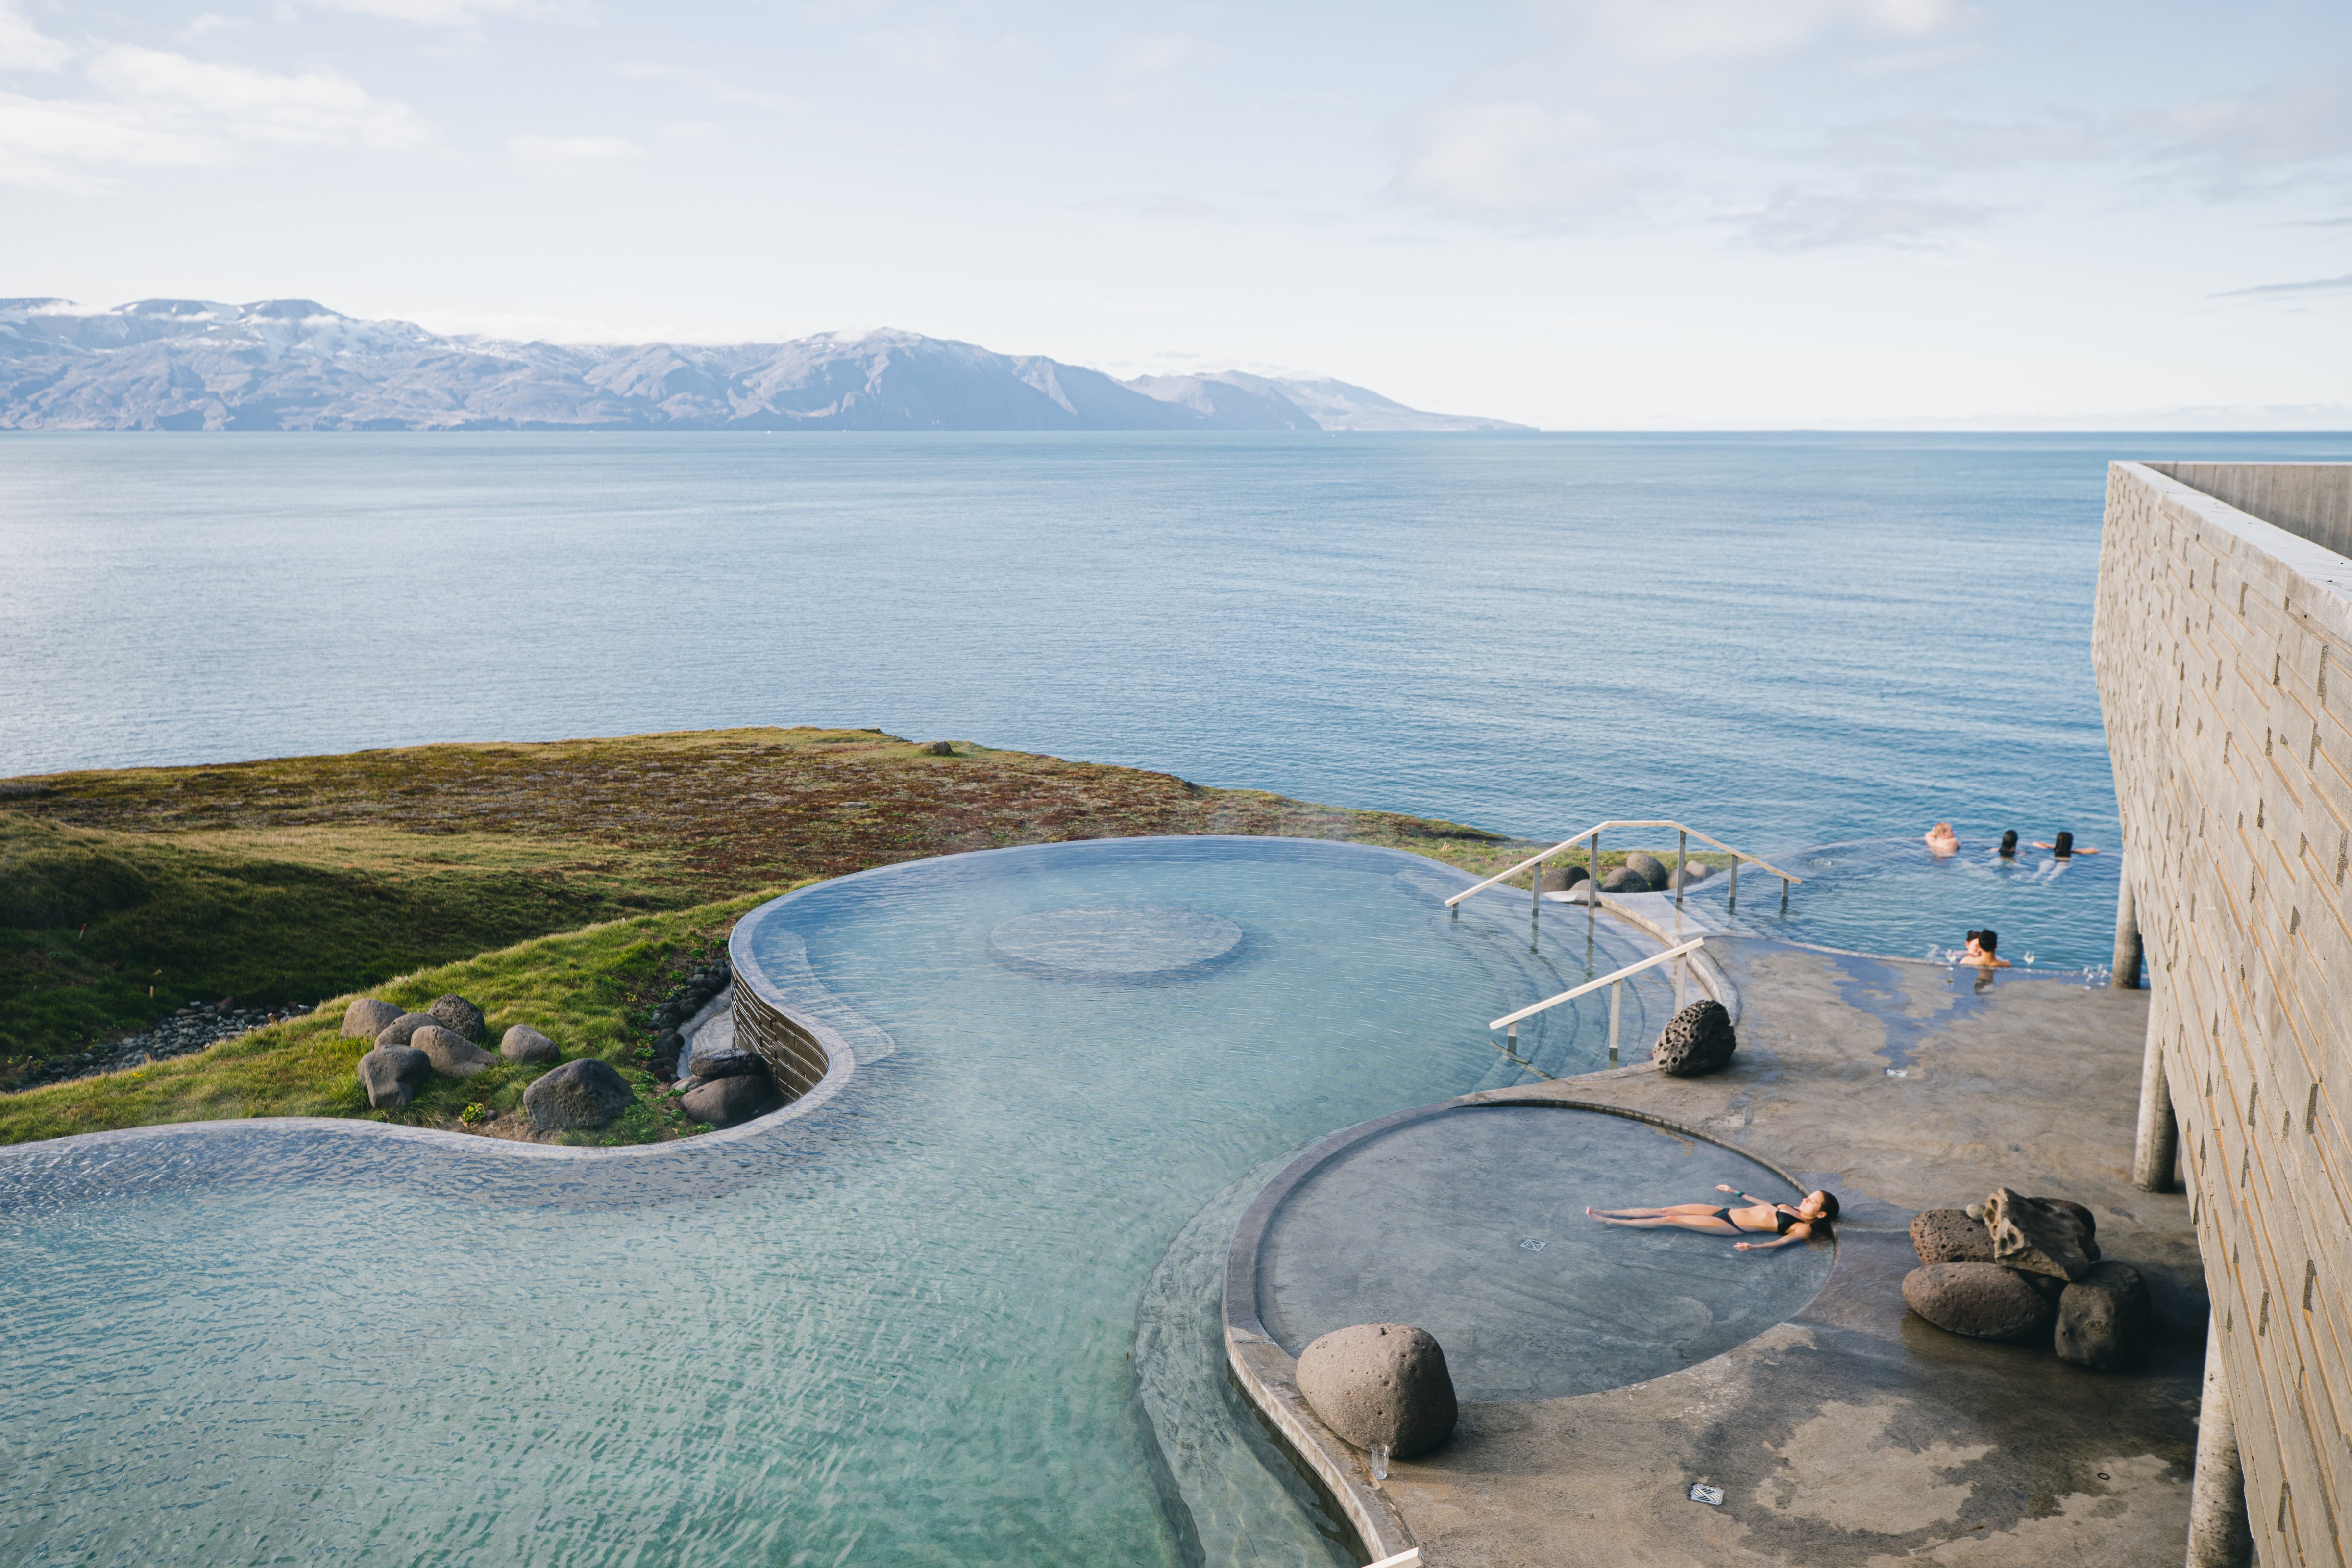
2065 848
1942 840
1982 952
2009 845
1784 1223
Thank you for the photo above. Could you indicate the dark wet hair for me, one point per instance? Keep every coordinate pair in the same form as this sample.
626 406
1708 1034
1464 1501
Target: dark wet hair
1989 938
2009 843
1829 1204
2062 846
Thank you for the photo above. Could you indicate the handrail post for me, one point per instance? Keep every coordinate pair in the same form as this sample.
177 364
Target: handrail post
1682 859
1733 907
1614 991
1784 895
1593 894
1535 905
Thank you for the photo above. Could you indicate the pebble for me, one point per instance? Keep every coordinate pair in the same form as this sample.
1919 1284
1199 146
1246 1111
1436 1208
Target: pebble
185 1033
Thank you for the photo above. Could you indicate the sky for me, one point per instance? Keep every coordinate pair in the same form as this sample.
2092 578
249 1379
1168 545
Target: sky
1579 213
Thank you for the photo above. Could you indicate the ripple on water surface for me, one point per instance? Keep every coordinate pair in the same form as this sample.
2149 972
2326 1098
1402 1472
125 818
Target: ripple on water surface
896 1331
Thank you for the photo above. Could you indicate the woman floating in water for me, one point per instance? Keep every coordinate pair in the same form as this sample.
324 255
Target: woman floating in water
1942 840
2064 849
1785 1223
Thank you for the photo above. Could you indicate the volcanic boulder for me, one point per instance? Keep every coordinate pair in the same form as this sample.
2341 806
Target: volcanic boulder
1981 1300
1381 1384
583 1093
365 1019
1696 1041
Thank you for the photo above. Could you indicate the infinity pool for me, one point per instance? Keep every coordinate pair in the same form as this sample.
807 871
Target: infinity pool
1889 896
895 1330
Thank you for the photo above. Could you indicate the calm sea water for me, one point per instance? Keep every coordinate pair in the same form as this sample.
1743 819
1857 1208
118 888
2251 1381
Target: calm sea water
1785 639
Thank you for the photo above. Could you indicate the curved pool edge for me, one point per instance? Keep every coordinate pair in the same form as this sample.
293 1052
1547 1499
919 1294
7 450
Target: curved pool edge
1267 1374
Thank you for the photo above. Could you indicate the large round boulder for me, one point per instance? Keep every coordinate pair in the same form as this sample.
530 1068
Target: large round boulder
1696 1040
400 1029
1649 868
585 1093
457 1015
2104 1319
1624 879
365 1019
1982 1301
1381 1384
724 1102
1561 878
450 1052
730 1062
1950 1236
392 1075
527 1046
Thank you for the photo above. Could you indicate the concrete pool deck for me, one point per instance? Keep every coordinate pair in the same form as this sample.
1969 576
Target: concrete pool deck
1854 1433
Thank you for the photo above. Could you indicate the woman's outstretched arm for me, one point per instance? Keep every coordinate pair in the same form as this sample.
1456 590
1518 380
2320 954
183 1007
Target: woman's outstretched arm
1796 1233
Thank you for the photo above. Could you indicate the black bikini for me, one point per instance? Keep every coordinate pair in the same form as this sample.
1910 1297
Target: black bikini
1781 1220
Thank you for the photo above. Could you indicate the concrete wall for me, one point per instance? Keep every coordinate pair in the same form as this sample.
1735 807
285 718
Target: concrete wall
2224 651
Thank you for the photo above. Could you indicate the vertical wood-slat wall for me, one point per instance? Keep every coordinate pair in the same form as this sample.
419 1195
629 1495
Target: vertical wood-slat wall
2223 652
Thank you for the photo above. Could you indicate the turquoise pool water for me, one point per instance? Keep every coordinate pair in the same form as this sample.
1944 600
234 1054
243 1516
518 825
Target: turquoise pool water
896 1330
1889 896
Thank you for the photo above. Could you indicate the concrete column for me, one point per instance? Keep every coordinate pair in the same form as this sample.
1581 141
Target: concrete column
2158 1146
2124 974
2219 1536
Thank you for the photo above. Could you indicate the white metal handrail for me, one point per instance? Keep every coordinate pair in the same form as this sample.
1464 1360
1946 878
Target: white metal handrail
1682 854
1510 1020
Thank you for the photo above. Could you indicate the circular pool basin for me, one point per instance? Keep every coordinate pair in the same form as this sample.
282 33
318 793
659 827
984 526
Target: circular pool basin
894 1329
1889 896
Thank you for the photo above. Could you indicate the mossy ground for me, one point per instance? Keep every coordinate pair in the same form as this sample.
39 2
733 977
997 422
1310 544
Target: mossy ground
125 893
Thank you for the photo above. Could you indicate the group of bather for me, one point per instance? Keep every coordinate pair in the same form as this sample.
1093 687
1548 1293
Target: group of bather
1983 946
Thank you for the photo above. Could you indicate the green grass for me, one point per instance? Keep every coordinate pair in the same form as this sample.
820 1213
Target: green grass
588 990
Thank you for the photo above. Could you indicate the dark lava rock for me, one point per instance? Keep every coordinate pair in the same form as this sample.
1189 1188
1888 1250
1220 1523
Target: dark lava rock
1561 878
1950 1236
715 1065
1651 869
2104 1319
1982 1301
398 1031
1696 1040
451 1052
585 1093
1381 1383
1625 879
393 1074
2042 1235
728 1100
457 1015
525 1044
939 749
365 1019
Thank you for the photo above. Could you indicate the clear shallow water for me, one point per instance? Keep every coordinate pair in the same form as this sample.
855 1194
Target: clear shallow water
894 1332
1890 896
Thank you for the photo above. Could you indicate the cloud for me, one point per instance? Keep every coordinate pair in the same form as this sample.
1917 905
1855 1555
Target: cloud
1525 165
2243 144
1947 143
705 85
2317 285
150 108
23 48
1735 30
572 151
1822 220
438 13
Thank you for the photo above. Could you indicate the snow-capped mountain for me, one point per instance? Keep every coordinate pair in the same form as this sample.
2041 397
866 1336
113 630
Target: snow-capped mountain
294 364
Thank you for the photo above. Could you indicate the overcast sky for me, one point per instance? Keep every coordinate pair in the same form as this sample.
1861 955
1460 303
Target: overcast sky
1582 213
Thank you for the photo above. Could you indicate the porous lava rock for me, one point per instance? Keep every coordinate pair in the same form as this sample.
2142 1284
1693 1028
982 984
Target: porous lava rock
585 1093
1561 878
1981 1300
1696 1040
2041 1236
725 1101
398 1031
1381 1383
1950 1236
365 1019
392 1075
526 1045
1624 879
1649 868
457 1015
2104 1319
450 1052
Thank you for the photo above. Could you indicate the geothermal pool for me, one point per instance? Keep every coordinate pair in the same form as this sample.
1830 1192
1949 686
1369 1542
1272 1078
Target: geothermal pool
898 1328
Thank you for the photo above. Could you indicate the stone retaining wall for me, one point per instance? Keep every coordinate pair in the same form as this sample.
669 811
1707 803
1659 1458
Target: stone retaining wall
2223 646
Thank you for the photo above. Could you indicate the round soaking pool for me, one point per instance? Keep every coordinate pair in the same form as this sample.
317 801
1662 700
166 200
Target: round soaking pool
893 1329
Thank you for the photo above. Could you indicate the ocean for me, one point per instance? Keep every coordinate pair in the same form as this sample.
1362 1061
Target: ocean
1784 639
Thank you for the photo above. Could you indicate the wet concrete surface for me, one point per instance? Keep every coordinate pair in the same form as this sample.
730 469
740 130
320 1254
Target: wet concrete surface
1854 1433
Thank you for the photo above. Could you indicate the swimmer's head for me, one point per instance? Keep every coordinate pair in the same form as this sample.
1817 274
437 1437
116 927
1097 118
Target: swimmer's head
1820 1202
2062 846
2009 845
1941 830
1988 939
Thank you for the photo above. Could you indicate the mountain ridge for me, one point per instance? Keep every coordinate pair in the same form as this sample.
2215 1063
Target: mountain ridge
295 364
